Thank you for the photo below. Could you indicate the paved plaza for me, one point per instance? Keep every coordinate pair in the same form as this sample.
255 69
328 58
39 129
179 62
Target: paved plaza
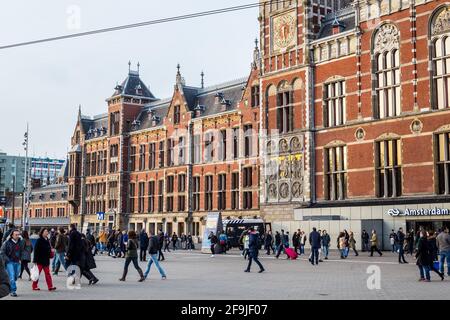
192 276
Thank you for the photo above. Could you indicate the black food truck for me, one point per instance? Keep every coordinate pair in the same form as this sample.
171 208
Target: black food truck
235 228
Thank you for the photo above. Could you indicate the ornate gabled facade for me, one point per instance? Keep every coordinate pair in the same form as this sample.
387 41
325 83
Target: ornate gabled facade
164 164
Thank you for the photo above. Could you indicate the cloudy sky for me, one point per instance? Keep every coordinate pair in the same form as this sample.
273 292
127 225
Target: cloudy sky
44 84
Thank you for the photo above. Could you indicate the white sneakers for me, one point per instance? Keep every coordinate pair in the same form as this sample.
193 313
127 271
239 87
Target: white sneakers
212 256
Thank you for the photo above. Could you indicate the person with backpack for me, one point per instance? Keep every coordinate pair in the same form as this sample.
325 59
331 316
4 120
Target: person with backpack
132 256
223 239
153 249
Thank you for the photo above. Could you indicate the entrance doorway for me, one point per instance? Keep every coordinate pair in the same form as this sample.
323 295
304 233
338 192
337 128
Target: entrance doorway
428 225
180 228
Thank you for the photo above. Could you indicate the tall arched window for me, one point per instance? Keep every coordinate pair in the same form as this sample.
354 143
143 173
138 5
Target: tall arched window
386 69
440 55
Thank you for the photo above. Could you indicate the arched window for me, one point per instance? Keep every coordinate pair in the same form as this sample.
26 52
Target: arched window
386 69
440 55
285 106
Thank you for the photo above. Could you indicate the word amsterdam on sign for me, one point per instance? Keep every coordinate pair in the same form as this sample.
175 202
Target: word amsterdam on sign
418 212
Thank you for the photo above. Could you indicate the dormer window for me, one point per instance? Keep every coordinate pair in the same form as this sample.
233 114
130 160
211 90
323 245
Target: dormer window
199 110
139 90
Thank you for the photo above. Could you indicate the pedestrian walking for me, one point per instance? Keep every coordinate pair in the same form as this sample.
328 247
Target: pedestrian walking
153 249
341 244
103 239
411 242
183 239
111 242
314 241
213 240
296 241
174 241
433 250
25 259
161 240
143 245
303 243
268 242
246 241
443 244
166 242
190 242
352 243
4 279
374 244
88 260
365 241
42 255
254 250
74 255
393 240
223 239
61 245
282 243
400 246
423 257
325 239
132 256
11 252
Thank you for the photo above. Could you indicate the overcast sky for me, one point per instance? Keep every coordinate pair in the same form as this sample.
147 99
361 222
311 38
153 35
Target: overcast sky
44 84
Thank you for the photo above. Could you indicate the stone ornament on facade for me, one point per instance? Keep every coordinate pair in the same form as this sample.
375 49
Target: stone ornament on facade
297 190
272 191
441 22
284 31
416 126
296 144
387 38
360 134
284 147
284 190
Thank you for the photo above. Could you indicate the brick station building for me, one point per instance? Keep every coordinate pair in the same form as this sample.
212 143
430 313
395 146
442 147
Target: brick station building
163 164
349 101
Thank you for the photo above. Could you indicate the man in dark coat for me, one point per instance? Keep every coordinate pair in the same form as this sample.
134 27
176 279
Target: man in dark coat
4 280
75 251
88 261
423 256
400 246
268 239
253 249
314 241
365 241
161 243
143 245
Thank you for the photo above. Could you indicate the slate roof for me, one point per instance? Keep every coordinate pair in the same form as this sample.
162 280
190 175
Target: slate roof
345 17
95 127
133 86
54 192
228 92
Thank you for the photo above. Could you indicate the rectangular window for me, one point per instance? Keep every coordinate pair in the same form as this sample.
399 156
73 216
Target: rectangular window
160 195
197 149
223 145
169 186
247 176
387 87
285 116
161 154
93 164
114 119
142 157
181 203
388 168
208 192
248 137
181 153
169 205
151 156
247 200
88 164
222 189
176 115
235 143
255 96
170 152
335 173
209 147
235 190
442 151
132 196
181 183
141 201
196 194
334 104
133 159
151 196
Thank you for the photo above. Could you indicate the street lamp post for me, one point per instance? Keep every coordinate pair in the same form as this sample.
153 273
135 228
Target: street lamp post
26 184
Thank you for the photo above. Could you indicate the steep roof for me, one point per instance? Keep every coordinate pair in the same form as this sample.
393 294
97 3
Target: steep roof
345 18
133 86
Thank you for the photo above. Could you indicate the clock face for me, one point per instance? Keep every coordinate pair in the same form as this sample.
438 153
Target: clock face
284 31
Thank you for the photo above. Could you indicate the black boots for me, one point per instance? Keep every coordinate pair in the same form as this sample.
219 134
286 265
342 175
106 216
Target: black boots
124 275
141 275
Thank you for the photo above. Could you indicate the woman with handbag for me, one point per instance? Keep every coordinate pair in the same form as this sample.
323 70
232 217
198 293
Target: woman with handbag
132 256
42 254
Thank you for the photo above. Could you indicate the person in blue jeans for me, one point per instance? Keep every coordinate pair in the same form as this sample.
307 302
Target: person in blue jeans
325 243
424 259
443 244
153 249
11 253
315 242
